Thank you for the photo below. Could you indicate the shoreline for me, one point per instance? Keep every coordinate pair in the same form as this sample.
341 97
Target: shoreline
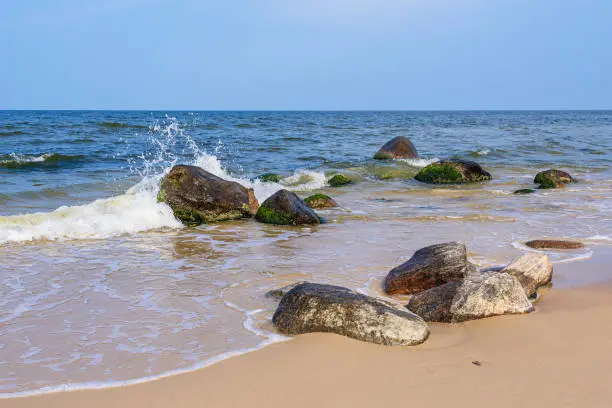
336 353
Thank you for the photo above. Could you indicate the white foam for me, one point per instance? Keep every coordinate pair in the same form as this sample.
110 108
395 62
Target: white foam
21 158
420 162
135 211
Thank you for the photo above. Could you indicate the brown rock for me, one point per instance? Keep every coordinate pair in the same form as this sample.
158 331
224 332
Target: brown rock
397 148
431 266
554 244
197 196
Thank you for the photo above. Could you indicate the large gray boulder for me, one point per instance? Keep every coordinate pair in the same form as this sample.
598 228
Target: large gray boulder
429 267
197 196
397 148
286 208
311 307
532 270
478 296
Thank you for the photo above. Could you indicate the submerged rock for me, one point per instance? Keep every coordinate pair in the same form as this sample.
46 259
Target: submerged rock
554 244
317 201
532 270
553 179
397 148
489 294
429 267
453 172
270 177
311 307
339 180
197 196
286 208
525 191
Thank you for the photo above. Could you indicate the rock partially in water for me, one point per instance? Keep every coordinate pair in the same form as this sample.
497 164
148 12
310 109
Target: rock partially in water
532 270
197 196
311 307
318 201
397 148
270 178
429 267
453 172
489 294
339 180
280 292
286 208
554 244
553 179
525 191
478 296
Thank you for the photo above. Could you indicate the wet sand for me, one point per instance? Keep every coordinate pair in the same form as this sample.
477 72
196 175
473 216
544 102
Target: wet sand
558 356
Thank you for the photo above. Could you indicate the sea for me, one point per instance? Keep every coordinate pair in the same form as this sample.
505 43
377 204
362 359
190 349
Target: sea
101 286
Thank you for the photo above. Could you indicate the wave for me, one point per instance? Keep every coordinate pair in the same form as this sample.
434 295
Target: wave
12 133
137 210
20 161
121 125
420 162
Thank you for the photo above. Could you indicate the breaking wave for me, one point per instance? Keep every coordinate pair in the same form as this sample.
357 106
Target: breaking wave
137 210
21 161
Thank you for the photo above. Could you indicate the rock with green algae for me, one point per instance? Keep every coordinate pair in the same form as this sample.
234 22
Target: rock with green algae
397 148
286 208
553 179
453 172
270 177
317 201
525 191
197 196
339 180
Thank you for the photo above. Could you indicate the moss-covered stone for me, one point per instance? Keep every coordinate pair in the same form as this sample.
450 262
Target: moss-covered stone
453 172
525 191
339 180
270 177
553 179
383 156
320 201
439 174
188 217
272 216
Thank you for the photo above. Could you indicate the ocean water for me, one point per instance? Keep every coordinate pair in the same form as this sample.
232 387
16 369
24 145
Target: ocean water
101 286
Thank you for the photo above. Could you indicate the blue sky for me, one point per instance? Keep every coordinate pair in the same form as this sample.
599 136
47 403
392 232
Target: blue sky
308 54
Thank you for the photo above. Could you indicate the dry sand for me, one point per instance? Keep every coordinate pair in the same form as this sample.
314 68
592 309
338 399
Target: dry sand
559 356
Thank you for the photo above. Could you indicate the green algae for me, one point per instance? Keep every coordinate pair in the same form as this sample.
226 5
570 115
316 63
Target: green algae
269 177
339 180
440 173
271 216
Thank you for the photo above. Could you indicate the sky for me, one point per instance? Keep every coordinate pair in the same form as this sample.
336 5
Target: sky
306 54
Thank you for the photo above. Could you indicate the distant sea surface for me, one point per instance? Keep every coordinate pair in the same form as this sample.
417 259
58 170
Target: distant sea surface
102 286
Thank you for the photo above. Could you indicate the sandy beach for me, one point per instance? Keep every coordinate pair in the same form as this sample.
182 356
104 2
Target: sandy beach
555 357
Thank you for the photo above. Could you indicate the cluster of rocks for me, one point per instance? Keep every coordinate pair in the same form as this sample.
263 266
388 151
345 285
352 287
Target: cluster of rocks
444 285
197 196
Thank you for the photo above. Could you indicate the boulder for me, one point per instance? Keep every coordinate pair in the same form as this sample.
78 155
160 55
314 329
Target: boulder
270 178
525 191
339 180
478 296
453 172
489 294
317 201
553 179
197 196
311 307
532 270
286 208
554 244
397 148
429 267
